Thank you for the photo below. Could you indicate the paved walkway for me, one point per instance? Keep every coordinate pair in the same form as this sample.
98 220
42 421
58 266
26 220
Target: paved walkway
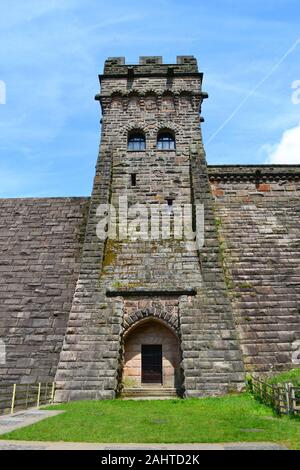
25 418
21 419
26 445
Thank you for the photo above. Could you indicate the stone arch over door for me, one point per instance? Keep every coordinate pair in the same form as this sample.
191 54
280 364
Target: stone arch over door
168 317
157 334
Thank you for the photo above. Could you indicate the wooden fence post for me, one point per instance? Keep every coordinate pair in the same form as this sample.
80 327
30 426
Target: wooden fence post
279 399
39 395
273 396
261 394
27 394
287 387
282 399
293 401
52 392
13 399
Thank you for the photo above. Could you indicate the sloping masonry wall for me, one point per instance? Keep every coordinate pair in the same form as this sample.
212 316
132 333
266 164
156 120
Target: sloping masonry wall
257 212
40 250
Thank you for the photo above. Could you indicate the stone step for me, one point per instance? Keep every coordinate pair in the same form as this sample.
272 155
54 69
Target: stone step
149 392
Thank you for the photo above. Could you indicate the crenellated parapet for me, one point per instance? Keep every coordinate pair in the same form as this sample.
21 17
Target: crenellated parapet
150 66
151 85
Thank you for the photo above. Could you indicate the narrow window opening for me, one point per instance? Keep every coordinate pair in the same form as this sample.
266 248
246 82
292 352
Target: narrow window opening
170 205
133 179
166 141
136 142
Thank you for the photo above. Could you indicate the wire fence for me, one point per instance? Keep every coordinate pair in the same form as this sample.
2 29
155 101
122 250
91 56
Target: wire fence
283 398
17 397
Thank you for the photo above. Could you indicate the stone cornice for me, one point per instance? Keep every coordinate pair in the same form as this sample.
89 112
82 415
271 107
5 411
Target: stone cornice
150 74
253 172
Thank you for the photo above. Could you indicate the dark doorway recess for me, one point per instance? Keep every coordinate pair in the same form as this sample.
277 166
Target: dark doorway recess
152 363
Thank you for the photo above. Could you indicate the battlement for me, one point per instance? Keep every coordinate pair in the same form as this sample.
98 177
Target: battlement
149 66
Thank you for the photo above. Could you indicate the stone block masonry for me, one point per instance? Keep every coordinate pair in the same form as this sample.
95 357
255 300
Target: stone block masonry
40 250
258 217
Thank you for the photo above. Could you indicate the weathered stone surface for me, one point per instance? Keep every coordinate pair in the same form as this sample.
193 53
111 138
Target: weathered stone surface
151 97
40 249
258 218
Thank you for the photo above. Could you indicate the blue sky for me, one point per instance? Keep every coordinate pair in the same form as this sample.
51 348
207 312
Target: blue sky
51 52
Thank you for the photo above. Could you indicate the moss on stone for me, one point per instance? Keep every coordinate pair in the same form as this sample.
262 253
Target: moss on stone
126 285
111 251
117 285
246 285
132 284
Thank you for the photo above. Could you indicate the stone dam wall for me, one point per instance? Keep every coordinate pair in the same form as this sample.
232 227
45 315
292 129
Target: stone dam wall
257 212
40 249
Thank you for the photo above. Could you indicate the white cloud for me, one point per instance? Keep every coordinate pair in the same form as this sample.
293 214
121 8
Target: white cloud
288 149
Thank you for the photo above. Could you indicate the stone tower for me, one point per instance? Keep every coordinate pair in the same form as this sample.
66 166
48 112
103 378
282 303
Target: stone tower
150 309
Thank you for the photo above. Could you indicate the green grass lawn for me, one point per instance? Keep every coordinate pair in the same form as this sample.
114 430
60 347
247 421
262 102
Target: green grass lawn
231 418
292 376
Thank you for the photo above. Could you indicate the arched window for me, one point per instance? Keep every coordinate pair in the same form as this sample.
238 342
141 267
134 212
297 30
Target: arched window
136 141
166 141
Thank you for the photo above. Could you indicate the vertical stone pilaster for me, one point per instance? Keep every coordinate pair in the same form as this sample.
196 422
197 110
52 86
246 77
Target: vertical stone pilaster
89 361
212 359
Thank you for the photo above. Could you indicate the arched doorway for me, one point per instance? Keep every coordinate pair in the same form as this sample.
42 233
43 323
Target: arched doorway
151 355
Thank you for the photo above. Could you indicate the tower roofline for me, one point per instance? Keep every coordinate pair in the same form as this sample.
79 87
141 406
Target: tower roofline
150 66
